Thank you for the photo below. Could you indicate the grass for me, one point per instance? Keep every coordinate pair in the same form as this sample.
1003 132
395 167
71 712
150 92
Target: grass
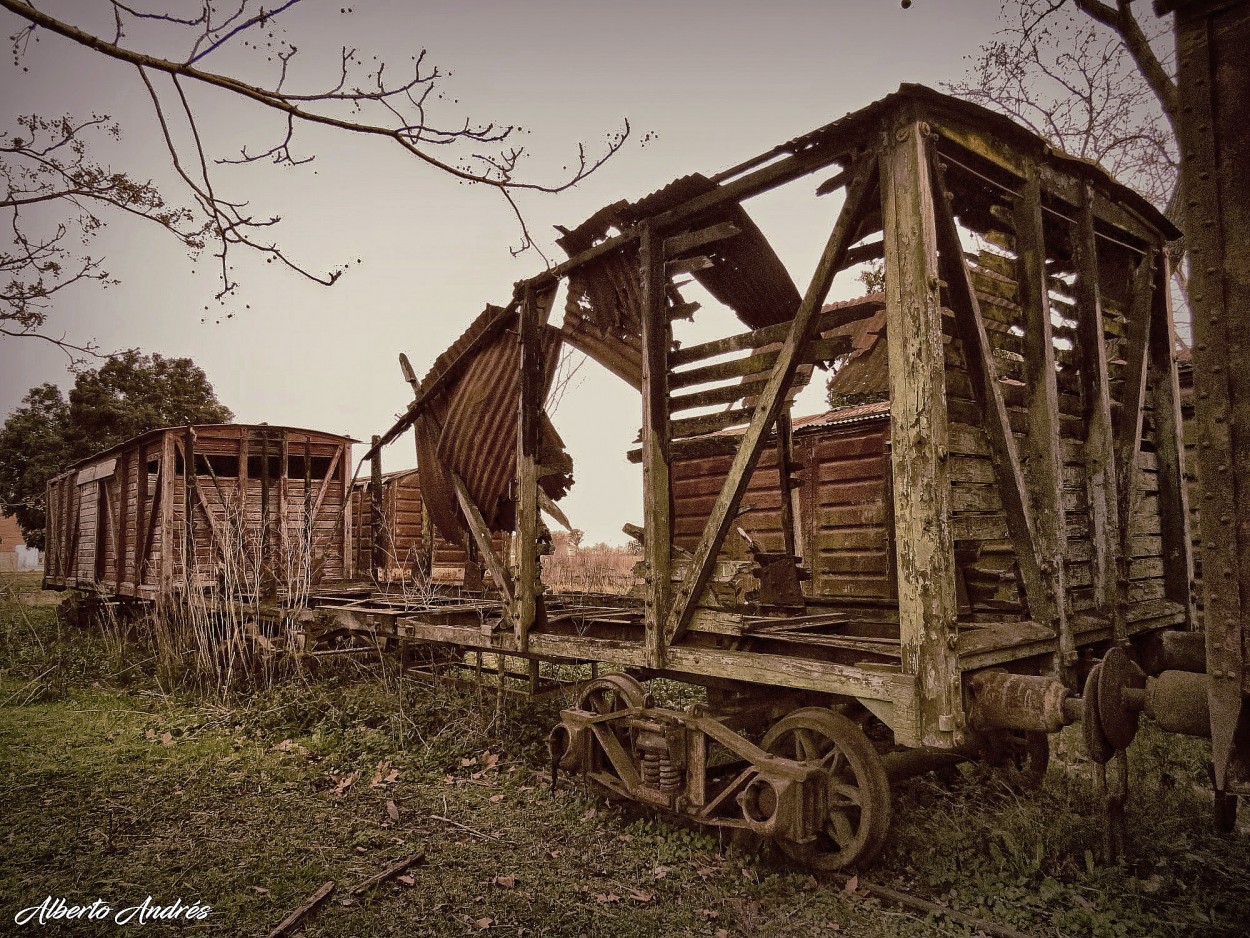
111 787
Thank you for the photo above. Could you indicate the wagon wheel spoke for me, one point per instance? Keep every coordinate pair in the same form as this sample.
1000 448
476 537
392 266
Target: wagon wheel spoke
834 762
807 749
840 830
848 795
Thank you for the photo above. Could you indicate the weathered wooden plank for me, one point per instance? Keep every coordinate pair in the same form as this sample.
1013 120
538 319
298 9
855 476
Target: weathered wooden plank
481 537
377 516
1165 400
927 600
814 350
657 338
692 240
769 405
1106 537
996 420
1041 463
534 312
724 394
768 335
1128 419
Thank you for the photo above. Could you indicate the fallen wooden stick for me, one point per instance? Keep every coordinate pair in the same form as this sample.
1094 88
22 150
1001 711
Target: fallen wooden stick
907 900
393 870
304 908
466 827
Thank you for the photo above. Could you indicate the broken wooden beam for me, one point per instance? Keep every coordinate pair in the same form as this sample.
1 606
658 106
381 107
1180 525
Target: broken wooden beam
303 909
389 873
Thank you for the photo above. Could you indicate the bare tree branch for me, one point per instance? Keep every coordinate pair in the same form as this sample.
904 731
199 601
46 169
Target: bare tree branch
359 98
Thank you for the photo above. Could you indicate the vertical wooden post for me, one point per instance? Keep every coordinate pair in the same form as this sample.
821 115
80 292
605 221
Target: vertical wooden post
169 541
1042 463
123 542
529 404
377 550
268 577
344 462
285 557
307 527
188 503
141 515
928 608
1128 428
1211 42
784 446
1165 400
1105 533
656 483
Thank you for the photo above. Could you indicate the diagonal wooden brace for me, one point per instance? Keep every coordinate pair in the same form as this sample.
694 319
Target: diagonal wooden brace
770 402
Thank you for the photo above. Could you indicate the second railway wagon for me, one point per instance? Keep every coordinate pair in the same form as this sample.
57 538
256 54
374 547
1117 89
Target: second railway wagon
259 511
1028 515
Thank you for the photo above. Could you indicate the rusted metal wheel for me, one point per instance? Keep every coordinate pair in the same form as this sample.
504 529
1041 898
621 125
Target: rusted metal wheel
611 693
858 793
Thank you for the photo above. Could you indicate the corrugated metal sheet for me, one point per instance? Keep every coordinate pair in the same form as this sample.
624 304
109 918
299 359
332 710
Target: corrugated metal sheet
470 426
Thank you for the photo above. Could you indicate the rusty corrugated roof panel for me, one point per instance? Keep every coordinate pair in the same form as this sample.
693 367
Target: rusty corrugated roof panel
469 427
842 416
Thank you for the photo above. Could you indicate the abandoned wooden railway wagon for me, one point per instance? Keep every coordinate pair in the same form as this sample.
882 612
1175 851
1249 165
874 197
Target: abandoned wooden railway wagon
1022 510
255 510
394 540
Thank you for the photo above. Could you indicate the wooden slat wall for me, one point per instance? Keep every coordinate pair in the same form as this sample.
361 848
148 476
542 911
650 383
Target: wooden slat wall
134 538
843 515
840 512
405 531
979 522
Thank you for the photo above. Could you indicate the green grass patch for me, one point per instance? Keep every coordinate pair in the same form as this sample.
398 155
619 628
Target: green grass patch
111 787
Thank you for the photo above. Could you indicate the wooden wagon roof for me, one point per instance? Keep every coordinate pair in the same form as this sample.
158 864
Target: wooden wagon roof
155 434
855 127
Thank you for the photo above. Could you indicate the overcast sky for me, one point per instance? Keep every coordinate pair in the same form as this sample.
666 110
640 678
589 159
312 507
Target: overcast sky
705 84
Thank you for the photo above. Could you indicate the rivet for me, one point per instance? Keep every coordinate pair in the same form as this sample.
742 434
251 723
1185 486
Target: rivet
1212 271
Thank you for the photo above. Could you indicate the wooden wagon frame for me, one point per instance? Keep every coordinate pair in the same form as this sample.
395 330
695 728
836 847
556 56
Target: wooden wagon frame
1033 403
